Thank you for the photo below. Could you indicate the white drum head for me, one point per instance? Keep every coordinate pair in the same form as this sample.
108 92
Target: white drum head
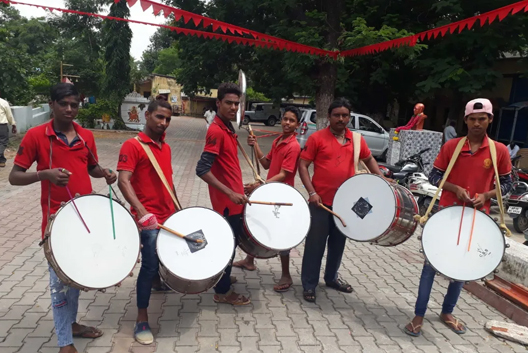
176 255
278 228
439 241
367 204
95 260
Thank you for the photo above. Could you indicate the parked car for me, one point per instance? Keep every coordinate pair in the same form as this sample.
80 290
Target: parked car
267 113
376 137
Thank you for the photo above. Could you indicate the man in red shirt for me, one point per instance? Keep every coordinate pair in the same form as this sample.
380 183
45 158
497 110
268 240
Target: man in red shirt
220 169
282 162
149 200
331 150
66 156
472 174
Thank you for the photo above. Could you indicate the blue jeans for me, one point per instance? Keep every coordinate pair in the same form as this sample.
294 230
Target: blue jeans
149 267
65 303
424 292
224 284
322 230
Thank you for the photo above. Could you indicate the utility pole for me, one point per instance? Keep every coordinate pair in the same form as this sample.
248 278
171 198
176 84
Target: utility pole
62 74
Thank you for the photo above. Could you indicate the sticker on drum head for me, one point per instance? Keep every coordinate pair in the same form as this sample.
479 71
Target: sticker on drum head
483 252
194 247
362 207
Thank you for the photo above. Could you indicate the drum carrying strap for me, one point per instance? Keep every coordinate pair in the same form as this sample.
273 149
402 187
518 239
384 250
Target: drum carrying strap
156 166
456 153
356 139
493 152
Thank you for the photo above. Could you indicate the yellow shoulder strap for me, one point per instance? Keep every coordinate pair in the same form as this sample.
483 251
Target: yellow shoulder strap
493 152
454 158
356 139
157 167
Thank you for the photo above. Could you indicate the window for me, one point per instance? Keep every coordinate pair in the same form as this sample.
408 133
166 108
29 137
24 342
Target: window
313 117
259 108
352 123
368 125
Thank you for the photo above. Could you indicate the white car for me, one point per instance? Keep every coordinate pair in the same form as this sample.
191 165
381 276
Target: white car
376 137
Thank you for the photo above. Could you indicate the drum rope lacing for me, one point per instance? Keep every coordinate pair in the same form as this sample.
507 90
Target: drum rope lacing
454 157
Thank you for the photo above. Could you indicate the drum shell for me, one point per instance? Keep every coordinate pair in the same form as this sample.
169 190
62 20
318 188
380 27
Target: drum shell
186 286
189 286
48 252
251 246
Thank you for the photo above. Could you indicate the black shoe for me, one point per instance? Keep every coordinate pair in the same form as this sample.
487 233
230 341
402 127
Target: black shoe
526 243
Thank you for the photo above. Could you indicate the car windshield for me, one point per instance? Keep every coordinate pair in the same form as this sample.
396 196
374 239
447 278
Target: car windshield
368 125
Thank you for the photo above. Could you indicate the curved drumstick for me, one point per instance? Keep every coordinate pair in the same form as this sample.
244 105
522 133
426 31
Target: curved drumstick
254 151
271 203
332 212
180 234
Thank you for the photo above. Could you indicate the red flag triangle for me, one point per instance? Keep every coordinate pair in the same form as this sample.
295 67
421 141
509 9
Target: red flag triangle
223 28
156 9
177 16
131 2
453 28
503 14
197 21
186 18
517 8
444 31
145 5
215 26
206 23
166 12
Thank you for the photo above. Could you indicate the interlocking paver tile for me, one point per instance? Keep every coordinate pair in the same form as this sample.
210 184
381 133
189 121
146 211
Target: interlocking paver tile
369 320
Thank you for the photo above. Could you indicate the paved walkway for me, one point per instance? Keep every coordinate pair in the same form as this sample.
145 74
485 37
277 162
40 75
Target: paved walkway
369 320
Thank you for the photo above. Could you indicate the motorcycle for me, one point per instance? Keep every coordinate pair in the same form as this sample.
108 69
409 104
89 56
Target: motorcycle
518 206
411 174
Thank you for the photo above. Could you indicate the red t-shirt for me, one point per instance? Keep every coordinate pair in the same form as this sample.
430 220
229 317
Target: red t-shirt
473 172
145 180
222 142
35 147
333 162
284 155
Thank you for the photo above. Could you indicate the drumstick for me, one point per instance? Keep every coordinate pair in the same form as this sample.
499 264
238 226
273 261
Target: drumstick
472 225
271 203
76 209
179 234
332 212
461 219
254 150
246 157
112 209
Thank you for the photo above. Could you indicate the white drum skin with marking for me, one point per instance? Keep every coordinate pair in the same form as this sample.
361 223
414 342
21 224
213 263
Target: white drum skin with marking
194 272
272 229
95 260
386 215
439 242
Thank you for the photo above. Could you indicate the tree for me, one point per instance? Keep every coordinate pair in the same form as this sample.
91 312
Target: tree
117 38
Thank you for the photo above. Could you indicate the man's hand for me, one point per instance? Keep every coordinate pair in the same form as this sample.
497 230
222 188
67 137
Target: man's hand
58 176
463 195
315 199
110 176
251 140
249 188
14 129
480 200
148 222
238 199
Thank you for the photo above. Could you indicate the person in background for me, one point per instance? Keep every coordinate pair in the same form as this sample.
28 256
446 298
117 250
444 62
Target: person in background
209 116
450 132
513 149
6 118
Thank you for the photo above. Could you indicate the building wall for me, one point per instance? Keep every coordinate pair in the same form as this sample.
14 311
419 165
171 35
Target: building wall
165 83
28 117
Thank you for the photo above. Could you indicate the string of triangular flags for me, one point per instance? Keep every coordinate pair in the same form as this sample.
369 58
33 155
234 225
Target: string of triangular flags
266 41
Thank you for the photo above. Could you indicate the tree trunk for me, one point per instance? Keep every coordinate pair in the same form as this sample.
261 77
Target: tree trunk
327 68
324 95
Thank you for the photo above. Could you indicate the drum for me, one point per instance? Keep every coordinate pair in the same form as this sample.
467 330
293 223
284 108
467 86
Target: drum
95 260
272 229
185 266
375 210
440 237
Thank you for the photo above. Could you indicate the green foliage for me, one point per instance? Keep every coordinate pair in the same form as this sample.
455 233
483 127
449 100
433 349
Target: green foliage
92 112
168 62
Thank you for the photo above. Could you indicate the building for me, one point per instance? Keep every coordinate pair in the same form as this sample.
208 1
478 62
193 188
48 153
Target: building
199 103
155 85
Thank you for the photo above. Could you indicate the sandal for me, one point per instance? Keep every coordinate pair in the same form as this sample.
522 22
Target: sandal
340 286
243 264
414 328
453 325
88 332
309 295
281 288
233 279
232 298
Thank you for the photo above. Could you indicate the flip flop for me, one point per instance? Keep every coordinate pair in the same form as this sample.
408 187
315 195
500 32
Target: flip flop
233 279
88 332
309 295
281 288
228 299
453 326
412 333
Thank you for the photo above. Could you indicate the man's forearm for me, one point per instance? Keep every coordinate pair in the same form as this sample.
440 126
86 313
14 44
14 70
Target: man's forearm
96 172
210 179
21 178
279 177
130 195
305 178
372 165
